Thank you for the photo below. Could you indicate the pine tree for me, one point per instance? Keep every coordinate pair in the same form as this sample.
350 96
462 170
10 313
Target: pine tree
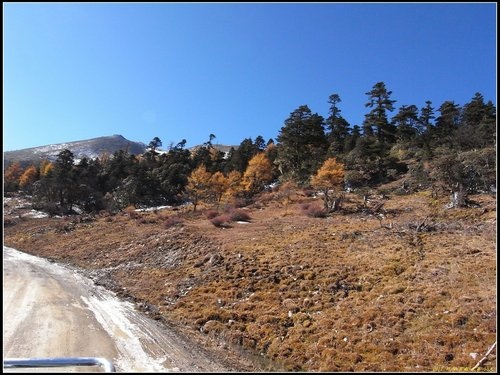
376 121
89 196
302 145
154 144
446 125
115 169
478 125
239 158
407 124
66 183
425 120
337 128
173 172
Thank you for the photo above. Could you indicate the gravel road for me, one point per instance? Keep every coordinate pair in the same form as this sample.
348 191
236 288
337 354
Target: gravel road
51 310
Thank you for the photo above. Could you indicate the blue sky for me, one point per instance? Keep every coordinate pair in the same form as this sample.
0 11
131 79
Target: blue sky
75 71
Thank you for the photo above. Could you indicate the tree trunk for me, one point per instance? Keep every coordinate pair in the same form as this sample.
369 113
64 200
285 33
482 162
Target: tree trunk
336 202
458 197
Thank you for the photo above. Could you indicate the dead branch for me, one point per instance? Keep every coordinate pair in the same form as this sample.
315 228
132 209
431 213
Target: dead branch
419 226
377 207
485 358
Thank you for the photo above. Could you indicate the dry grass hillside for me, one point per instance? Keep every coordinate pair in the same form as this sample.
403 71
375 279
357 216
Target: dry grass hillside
412 291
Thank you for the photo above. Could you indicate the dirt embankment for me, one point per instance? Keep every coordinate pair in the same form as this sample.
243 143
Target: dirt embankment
410 286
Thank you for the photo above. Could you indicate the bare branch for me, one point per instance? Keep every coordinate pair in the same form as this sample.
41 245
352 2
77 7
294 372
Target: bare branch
485 358
421 224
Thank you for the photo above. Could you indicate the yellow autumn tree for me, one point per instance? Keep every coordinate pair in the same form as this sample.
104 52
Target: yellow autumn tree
45 167
198 187
329 180
29 176
234 186
257 174
218 185
12 175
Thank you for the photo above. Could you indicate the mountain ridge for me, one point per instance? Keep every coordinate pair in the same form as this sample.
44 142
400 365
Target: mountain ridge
91 148
116 136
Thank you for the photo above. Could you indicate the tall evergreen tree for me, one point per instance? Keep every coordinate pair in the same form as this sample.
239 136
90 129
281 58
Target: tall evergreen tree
302 144
446 124
89 197
425 120
207 155
376 121
260 143
64 180
238 158
426 116
407 124
173 172
154 144
351 139
337 127
115 169
478 125
368 162
365 163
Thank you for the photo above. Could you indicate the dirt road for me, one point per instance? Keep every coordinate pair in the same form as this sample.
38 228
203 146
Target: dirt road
50 310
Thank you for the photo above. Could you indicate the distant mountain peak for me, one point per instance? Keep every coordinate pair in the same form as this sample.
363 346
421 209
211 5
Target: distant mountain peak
90 148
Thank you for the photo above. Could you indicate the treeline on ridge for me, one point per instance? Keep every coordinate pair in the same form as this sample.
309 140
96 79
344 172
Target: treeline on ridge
450 150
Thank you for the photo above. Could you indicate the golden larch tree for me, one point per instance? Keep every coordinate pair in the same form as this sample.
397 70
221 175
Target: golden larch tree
218 185
12 175
234 184
46 167
29 176
329 180
199 184
257 174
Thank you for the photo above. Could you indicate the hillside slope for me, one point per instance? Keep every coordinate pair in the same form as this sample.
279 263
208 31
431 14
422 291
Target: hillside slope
414 290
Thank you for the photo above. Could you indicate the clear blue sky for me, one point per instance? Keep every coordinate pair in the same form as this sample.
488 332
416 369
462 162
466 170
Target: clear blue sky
74 71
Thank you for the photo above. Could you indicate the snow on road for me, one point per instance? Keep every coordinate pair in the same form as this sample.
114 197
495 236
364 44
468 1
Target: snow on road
50 310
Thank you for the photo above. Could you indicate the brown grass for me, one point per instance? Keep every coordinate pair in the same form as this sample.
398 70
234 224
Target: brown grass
413 291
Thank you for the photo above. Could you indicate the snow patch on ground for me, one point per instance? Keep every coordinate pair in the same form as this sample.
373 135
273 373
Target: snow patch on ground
112 315
35 214
149 209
